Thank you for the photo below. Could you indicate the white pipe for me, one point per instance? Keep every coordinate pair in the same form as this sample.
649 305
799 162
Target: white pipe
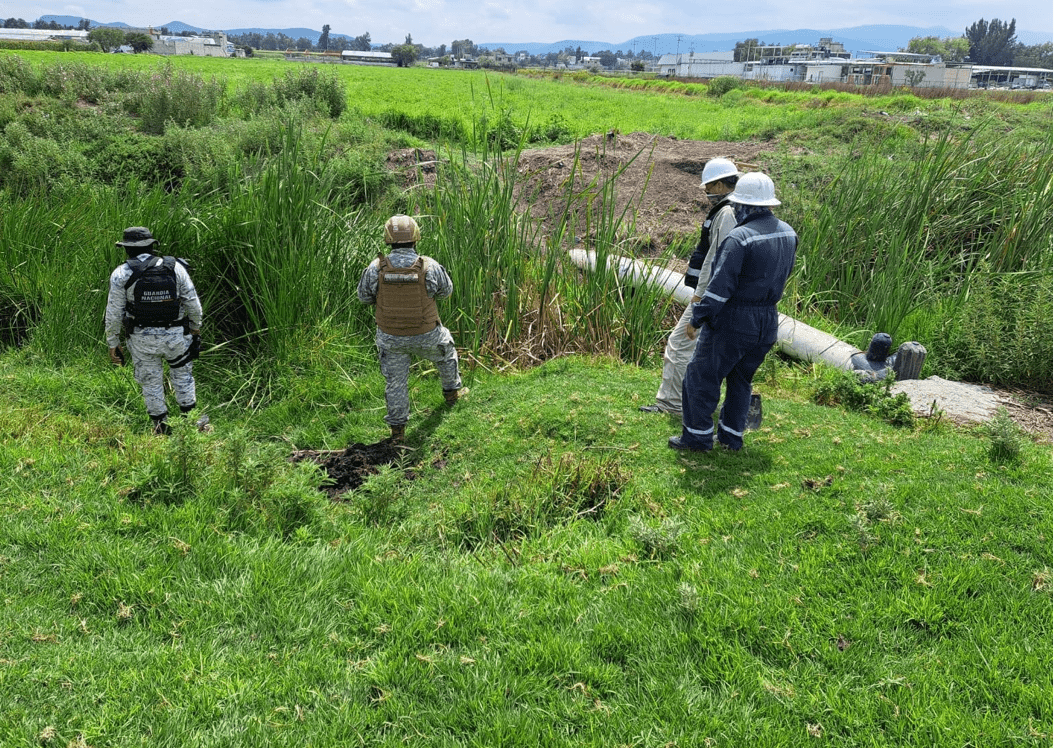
794 338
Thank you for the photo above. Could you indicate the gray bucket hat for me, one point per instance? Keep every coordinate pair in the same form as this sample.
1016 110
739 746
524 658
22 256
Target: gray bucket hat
137 236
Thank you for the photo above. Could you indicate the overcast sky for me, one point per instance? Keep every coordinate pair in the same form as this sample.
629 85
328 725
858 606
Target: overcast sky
434 22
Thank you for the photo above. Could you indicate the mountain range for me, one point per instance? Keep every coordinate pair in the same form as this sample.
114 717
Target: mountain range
880 38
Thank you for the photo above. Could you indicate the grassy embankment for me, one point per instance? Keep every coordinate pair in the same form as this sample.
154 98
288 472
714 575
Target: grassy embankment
548 573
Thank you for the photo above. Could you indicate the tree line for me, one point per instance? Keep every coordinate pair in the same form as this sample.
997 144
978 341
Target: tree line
987 43
408 51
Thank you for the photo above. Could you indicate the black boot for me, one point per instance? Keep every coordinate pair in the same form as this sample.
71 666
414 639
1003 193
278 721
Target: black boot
161 427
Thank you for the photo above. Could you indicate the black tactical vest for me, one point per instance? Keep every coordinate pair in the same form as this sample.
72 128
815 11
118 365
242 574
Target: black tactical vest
155 297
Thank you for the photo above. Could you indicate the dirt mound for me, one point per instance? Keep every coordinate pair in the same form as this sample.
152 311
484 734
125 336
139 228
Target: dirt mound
349 468
658 186
412 166
658 182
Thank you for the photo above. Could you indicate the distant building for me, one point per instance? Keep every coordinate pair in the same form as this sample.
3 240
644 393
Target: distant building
999 76
829 62
213 45
43 35
705 65
362 57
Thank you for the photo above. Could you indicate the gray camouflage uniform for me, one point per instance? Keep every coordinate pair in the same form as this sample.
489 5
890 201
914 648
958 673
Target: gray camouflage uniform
397 351
151 347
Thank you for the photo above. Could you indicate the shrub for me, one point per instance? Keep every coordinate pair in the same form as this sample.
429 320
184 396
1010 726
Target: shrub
175 96
358 178
130 156
844 388
657 542
325 90
31 162
255 97
1000 335
18 76
1005 438
555 130
720 86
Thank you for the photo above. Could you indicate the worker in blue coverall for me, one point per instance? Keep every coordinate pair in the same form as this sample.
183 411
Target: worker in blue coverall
735 322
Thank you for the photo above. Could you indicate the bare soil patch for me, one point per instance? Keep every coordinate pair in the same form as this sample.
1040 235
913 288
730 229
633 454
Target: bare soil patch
413 166
658 185
350 467
658 188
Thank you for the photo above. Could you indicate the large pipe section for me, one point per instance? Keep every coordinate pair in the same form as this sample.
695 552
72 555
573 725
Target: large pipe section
796 339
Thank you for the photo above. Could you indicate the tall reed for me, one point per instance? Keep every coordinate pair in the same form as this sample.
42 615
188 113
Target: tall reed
56 255
517 294
890 234
281 260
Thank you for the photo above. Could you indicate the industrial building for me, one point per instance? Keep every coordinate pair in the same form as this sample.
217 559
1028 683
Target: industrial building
828 62
212 45
43 35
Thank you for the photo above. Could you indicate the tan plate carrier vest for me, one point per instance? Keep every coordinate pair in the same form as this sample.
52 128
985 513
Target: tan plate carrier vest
403 304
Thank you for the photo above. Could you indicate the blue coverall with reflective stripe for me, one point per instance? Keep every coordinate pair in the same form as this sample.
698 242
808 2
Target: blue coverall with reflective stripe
737 323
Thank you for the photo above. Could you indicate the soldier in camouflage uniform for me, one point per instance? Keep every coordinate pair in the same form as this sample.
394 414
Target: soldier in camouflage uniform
153 300
403 287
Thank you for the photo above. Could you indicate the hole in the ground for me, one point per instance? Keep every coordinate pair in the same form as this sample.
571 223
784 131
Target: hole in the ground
350 467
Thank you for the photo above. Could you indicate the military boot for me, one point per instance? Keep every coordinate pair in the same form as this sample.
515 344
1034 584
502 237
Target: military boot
398 433
161 427
452 396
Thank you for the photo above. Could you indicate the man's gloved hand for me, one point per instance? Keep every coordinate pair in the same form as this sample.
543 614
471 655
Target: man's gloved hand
691 332
117 356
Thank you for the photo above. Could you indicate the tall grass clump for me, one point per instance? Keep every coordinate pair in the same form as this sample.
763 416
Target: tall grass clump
281 259
895 233
470 223
517 295
56 256
174 96
612 311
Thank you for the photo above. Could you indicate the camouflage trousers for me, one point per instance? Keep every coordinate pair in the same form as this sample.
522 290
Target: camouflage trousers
150 351
396 353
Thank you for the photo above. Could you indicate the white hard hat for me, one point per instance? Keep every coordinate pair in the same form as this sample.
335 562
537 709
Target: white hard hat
718 168
754 188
